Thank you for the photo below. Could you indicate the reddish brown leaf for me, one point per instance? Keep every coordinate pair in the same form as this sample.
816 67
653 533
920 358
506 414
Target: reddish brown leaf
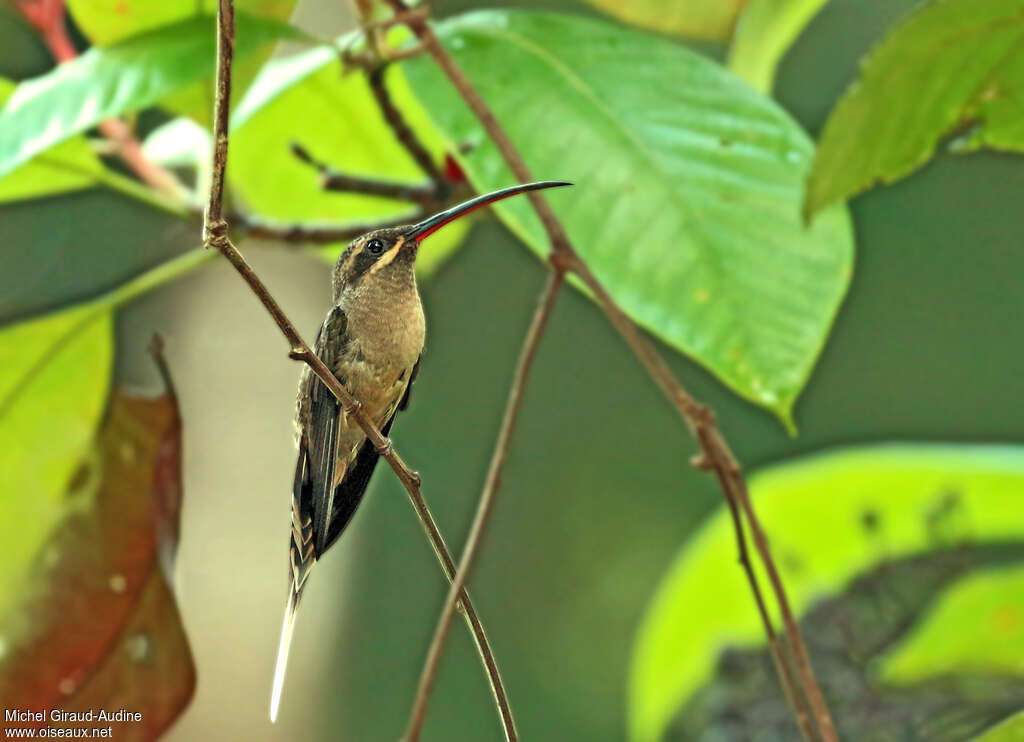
98 627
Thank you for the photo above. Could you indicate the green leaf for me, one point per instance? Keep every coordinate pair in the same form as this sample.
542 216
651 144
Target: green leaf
977 626
73 248
54 376
69 166
122 78
688 187
108 21
341 125
952 68
706 19
1011 730
766 30
866 505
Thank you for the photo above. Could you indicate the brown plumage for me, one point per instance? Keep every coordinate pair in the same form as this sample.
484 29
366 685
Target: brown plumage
371 340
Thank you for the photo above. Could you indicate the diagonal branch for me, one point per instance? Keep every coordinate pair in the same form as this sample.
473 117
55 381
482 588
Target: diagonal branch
715 453
403 132
215 235
332 180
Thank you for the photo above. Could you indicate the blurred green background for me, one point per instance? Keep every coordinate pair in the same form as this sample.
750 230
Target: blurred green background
598 495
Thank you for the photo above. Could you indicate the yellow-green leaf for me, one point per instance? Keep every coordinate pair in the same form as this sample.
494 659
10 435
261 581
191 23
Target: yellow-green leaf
977 626
1011 730
829 518
766 30
54 375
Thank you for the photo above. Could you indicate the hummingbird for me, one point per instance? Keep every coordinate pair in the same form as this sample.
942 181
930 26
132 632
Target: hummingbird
371 339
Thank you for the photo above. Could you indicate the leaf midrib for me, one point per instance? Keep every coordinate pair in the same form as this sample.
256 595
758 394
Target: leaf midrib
706 250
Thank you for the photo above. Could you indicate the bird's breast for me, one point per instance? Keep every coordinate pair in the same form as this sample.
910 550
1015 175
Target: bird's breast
385 329
384 340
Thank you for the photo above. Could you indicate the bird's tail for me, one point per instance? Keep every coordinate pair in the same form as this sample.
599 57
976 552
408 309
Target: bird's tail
282 653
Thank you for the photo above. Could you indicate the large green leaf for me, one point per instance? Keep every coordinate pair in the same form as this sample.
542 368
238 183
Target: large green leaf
342 125
54 375
108 21
688 187
766 30
706 19
69 166
109 81
829 518
952 68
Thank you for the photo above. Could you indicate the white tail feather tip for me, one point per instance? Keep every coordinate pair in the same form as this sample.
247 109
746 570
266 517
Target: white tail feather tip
282 657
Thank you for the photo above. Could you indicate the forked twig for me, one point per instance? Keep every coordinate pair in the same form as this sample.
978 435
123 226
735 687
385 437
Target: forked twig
215 235
715 453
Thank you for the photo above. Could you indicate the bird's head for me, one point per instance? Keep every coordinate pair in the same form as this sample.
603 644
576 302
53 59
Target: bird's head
390 254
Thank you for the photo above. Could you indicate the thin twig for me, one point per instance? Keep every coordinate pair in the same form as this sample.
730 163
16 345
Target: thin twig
697 417
331 180
403 132
545 305
48 18
156 349
215 235
797 702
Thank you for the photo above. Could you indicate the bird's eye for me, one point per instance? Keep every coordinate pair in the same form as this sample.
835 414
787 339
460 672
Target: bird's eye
375 247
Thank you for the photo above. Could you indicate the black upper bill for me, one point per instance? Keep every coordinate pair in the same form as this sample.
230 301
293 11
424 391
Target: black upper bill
431 224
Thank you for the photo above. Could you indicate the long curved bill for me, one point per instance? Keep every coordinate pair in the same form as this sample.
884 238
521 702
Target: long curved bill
431 224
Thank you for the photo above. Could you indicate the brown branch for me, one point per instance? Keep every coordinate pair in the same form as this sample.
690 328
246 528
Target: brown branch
403 132
714 451
797 702
332 180
215 235
545 305
48 18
